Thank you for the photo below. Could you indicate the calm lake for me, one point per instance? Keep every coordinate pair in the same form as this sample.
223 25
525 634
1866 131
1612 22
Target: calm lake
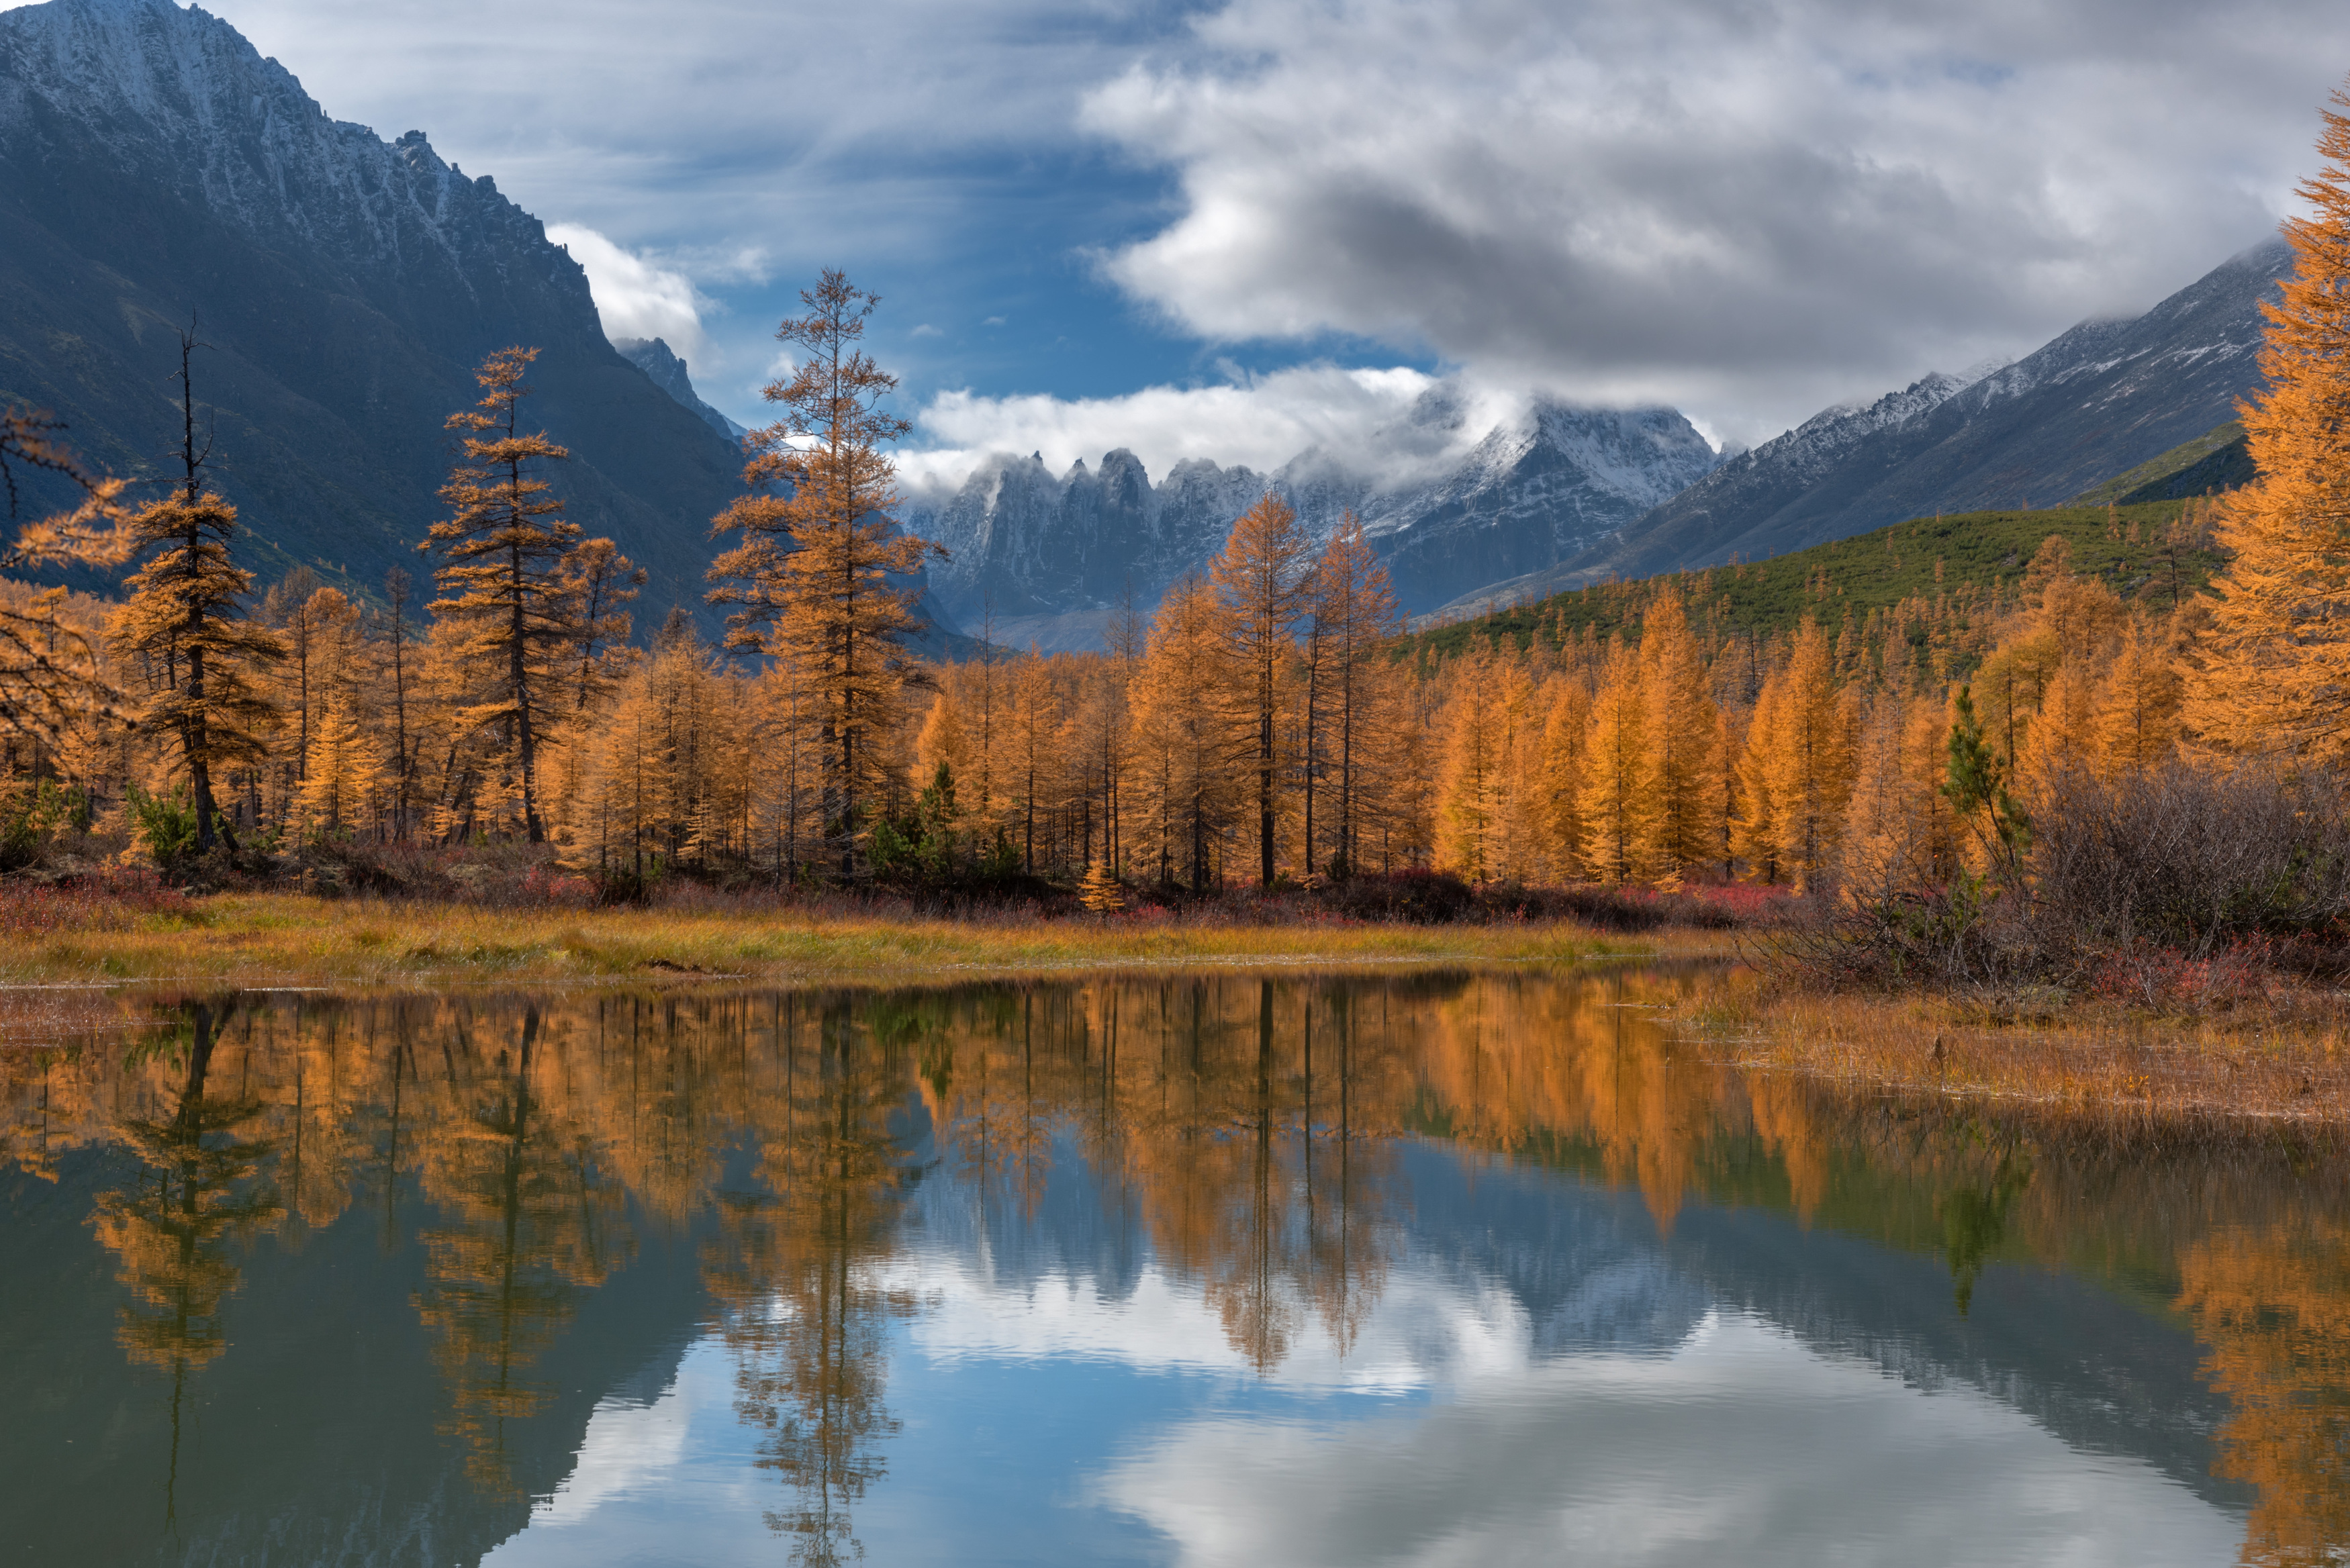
1441 1269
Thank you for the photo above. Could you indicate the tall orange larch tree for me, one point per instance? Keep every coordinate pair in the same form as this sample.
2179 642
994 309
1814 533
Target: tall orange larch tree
184 615
1559 777
500 579
1264 581
1470 792
817 543
1354 609
1679 723
1806 752
2138 701
1189 732
49 680
1619 798
2273 669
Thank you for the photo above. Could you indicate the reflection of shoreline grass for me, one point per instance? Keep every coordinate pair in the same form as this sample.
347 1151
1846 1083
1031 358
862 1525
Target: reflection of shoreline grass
280 937
2284 1063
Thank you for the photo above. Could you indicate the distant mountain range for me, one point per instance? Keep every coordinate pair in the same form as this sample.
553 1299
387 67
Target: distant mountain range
154 168
1053 555
1560 495
2097 401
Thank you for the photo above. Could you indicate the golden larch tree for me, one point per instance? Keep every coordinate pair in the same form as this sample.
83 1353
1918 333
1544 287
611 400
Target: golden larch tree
1468 792
1806 752
1355 611
1263 580
1679 721
340 774
817 544
1618 794
2275 665
2137 703
49 681
500 579
183 614
1559 787
1187 729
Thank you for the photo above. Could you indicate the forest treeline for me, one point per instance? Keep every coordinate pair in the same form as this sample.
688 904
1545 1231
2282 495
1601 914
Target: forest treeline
1264 724
1264 721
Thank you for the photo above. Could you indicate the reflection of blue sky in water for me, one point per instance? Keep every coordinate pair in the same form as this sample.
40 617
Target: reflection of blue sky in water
1539 1380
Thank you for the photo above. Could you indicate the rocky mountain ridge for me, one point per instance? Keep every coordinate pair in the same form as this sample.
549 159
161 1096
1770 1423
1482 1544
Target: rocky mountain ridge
1050 555
155 169
661 366
2092 403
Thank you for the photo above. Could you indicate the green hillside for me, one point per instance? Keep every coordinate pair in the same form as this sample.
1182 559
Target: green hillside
1966 556
2214 461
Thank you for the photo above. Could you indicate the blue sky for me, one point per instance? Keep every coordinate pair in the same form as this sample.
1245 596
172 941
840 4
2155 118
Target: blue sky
1086 216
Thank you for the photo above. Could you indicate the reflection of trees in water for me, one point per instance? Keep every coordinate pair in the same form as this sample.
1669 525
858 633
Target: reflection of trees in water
1245 1127
196 1193
527 1221
2273 1304
797 1274
1203 1108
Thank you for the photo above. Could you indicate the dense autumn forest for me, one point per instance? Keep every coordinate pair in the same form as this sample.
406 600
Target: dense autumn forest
1267 724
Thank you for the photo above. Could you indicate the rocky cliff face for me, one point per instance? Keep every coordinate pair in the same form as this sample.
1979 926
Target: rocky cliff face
1054 554
661 366
155 169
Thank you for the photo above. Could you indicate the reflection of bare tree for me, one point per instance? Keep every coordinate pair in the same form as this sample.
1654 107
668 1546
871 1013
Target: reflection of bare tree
171 1226
797 1276
529 1218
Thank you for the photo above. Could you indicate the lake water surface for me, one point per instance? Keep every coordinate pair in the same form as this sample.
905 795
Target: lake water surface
1443 1269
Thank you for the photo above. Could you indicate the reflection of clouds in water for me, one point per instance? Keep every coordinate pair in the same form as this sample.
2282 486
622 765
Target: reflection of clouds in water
626 1446
1492 1268
636 1461
1424 1327
1743 1447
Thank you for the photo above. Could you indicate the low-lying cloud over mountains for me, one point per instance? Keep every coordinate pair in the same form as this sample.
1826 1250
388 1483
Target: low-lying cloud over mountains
1051 553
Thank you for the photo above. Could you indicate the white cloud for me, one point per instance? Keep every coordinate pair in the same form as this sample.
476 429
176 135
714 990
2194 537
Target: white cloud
1743 1447
635 297
1260 422
925 330
1426 1328
1748 209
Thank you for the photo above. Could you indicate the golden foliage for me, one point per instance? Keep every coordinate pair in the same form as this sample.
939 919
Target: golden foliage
2274 666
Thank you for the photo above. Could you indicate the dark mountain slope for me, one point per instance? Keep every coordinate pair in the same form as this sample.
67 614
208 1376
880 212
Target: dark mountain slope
657 360
2097 400
152 165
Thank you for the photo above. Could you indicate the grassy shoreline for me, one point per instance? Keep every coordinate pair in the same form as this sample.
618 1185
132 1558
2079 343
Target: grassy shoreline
2282 1065
260 939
